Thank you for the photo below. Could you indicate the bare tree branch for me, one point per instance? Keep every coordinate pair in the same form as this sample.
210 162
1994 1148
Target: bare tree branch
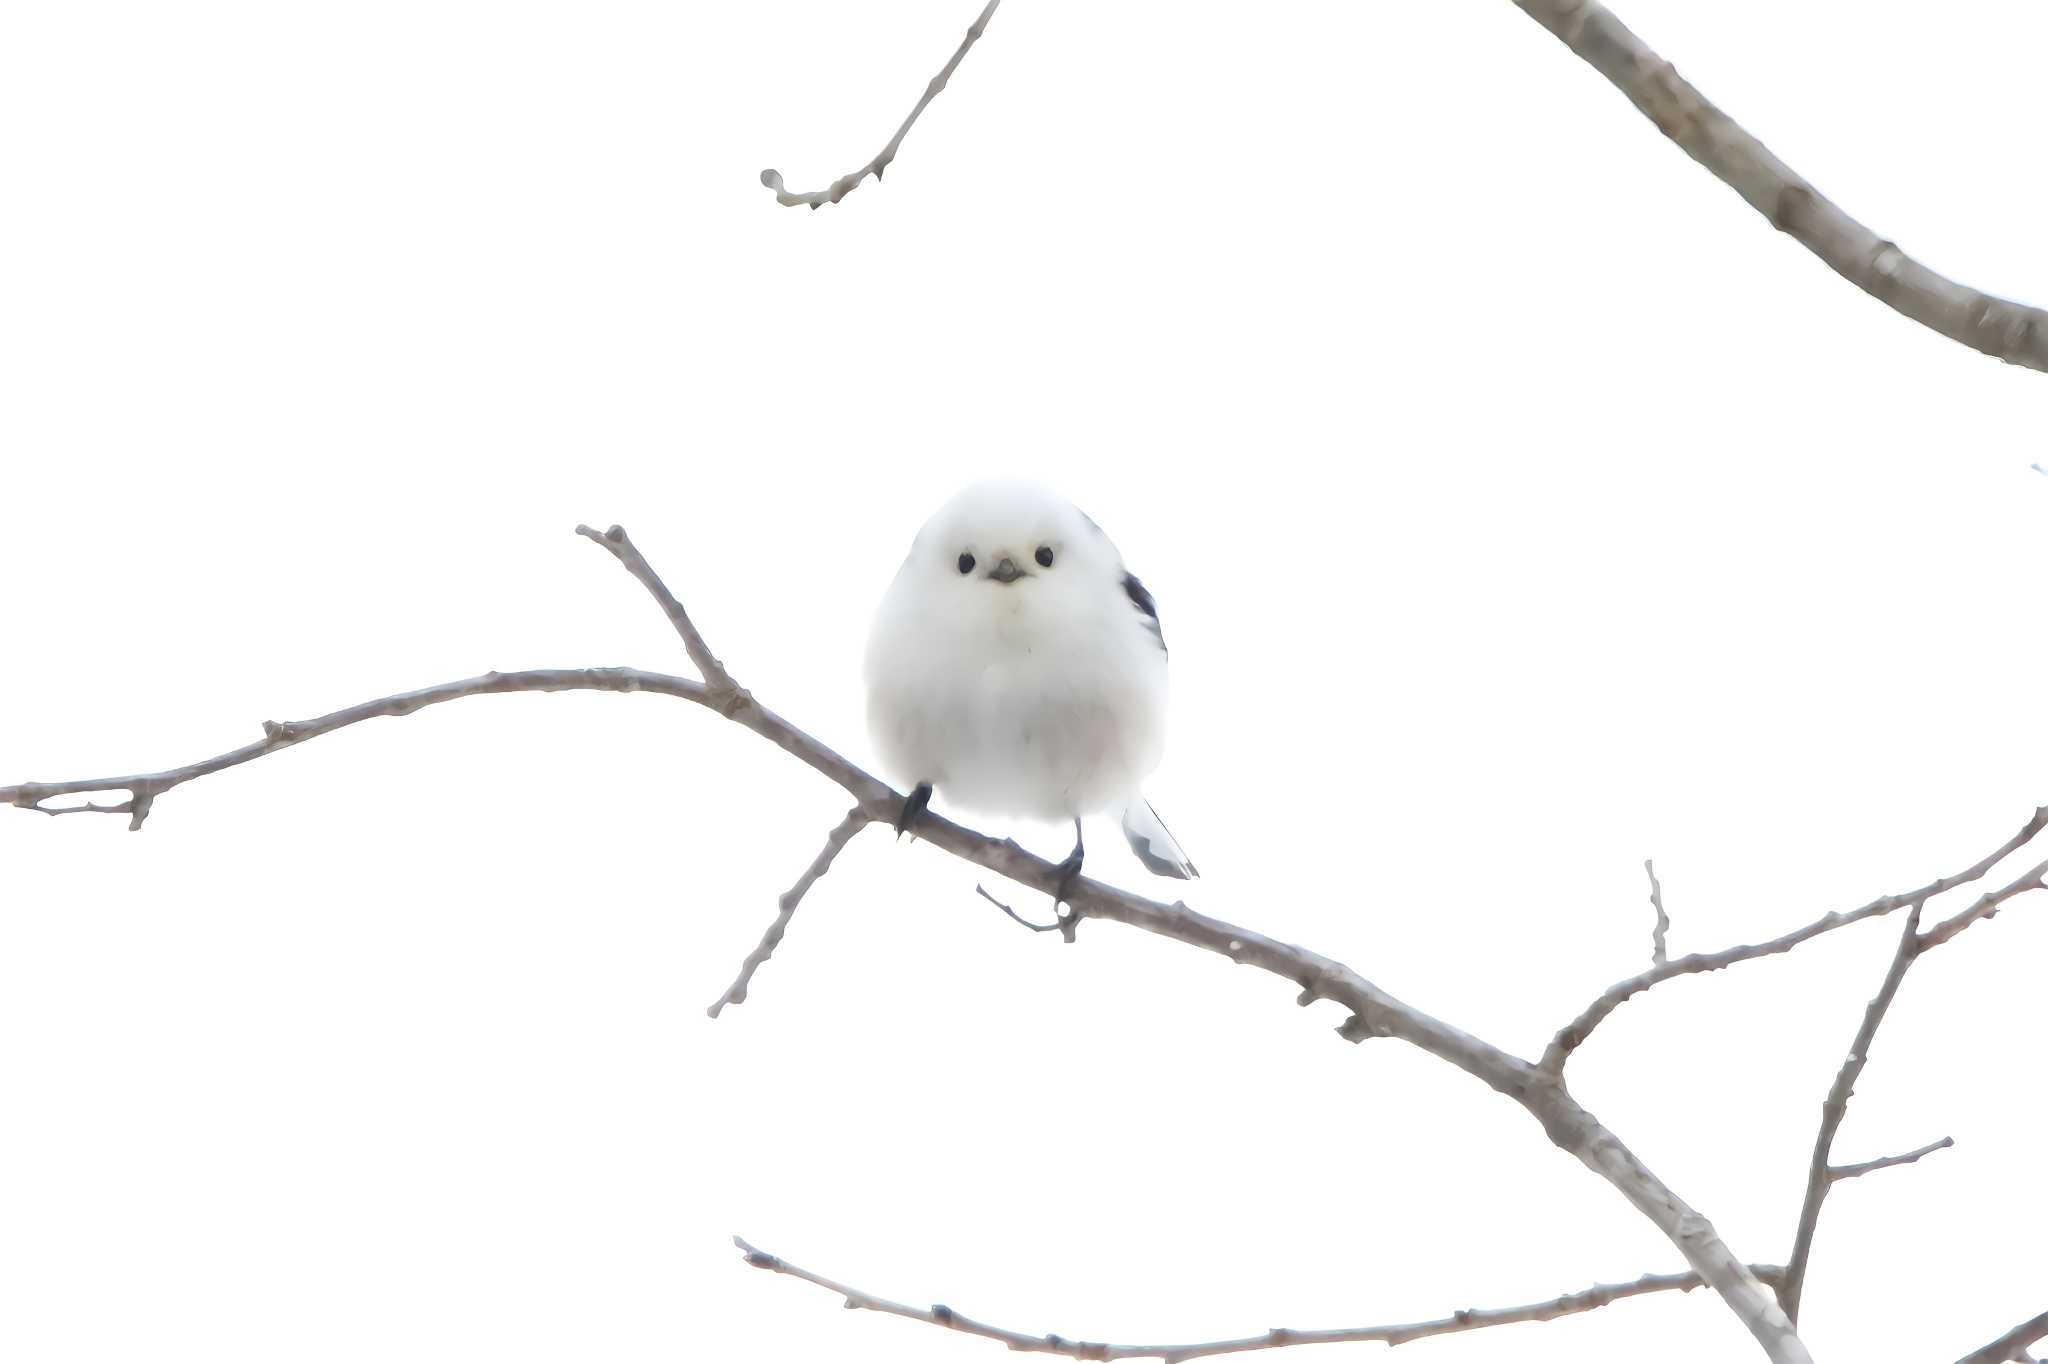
1819 1178
736 993
846 184
2013 332
708 667
1372 1011
144 788
1058 925
2012 1345
1579 1029
1837 1173
1658 955
1822 1176
1985 907
1470 1319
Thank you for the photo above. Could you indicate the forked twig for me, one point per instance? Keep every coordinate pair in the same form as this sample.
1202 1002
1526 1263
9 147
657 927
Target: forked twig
1574 1033
1819 1176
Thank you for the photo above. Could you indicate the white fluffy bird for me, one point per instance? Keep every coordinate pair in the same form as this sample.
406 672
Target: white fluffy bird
1019 668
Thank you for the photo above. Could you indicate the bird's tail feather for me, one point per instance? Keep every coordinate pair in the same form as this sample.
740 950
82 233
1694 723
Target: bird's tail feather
1154 846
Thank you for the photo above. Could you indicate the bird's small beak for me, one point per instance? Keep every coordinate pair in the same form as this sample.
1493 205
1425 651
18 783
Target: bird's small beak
1006 571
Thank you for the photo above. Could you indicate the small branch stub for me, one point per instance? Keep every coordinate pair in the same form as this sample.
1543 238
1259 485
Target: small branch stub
1658 956
1838 1173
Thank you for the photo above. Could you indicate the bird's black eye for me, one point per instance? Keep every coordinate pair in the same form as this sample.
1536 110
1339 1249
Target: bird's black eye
1044 556
967 563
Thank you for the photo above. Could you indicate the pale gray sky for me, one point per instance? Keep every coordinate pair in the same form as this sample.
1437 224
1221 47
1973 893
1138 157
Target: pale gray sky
1518 504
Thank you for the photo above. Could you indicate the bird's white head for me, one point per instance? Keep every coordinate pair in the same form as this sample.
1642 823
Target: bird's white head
1010 549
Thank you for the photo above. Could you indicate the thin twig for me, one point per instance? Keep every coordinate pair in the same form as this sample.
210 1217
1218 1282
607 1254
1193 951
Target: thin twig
1836 1107
2013 332
1658 956
708 667
1985 907
1838 1173
2012 1345
1821 1176
736 993
1035 928
144 788
845 184
1579 1029
1470 1319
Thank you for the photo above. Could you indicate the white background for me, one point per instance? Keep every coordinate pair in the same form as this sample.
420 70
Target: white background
1518 503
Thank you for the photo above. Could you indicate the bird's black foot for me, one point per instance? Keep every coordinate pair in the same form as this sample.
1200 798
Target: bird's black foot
913 808
1068 870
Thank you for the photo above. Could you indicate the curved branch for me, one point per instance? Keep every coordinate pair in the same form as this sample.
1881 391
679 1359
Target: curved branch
1373 1012
846 184
2013 332
1280 1337
144 788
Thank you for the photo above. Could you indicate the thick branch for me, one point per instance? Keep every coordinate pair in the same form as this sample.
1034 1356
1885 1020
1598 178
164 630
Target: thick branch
1835 1107
1470 1319
736 993
2014 332
1574 1033
845 184
144 788
2012 1345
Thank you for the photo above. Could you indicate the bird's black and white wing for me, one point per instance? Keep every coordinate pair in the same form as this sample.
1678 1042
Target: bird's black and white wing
1148 609
1154 846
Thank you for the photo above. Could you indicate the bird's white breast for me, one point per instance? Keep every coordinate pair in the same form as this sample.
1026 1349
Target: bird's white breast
1041 706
